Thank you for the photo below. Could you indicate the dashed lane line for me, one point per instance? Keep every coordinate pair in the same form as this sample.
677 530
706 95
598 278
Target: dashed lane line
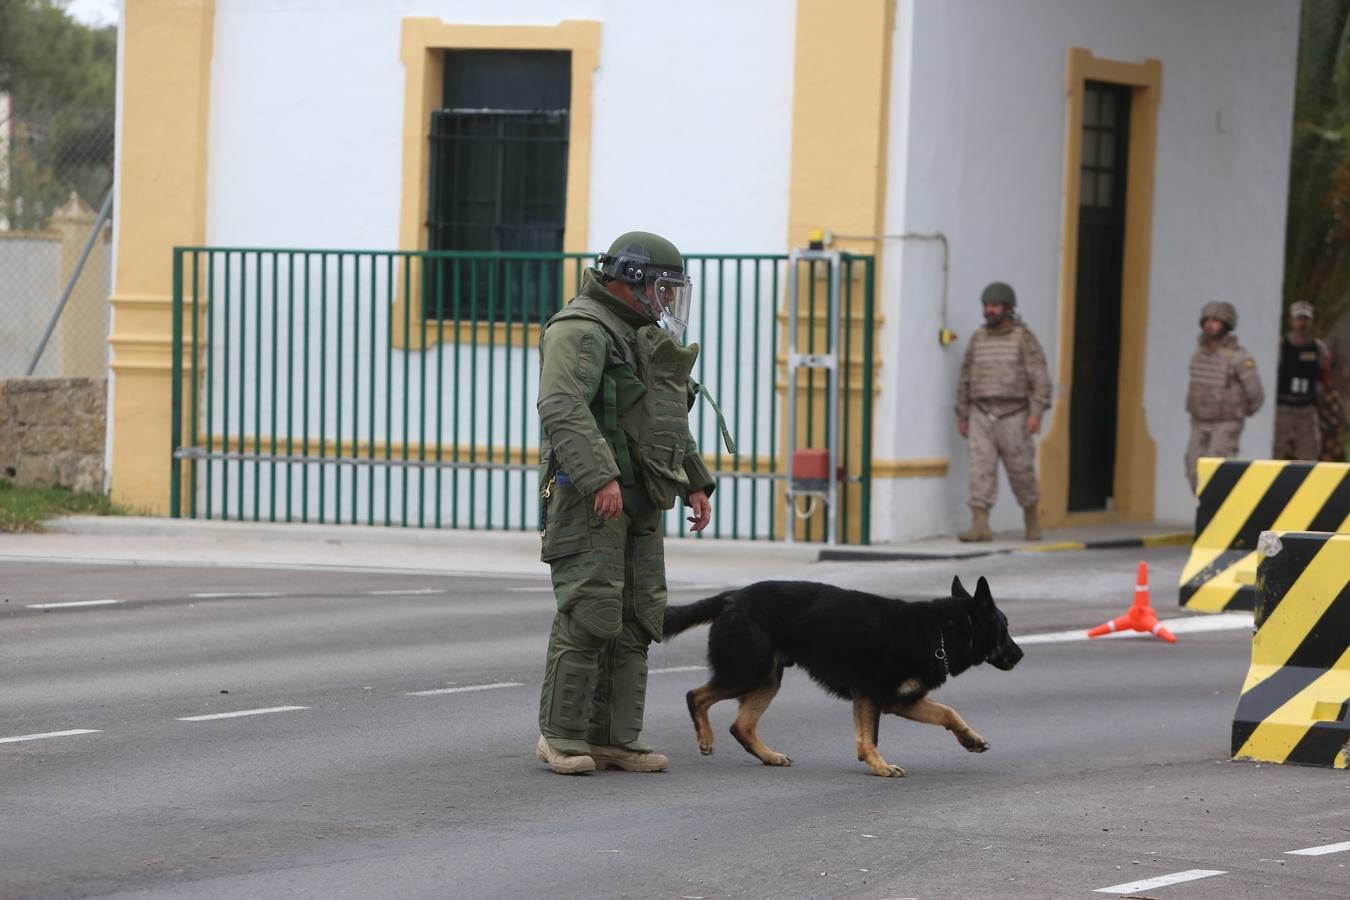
49 734
70 604
1320 851
1160 881
1229 621
465 689
407 593
225 595
241 712
670 669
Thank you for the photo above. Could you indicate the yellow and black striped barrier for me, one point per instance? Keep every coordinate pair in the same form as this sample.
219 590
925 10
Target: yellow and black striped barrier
1239 499
1295 703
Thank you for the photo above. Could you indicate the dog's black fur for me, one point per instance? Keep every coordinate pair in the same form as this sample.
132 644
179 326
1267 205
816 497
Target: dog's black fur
884 655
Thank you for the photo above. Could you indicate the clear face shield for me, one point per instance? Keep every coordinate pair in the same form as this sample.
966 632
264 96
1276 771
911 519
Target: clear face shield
670 296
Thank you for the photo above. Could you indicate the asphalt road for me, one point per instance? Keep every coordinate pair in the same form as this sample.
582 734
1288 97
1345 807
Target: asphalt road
398 760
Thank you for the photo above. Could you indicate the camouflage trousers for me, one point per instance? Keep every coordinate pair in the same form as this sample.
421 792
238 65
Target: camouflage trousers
1211 439
1297 434
1006 439
609 580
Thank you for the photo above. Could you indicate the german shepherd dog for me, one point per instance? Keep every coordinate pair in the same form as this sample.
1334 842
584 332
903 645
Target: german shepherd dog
884 655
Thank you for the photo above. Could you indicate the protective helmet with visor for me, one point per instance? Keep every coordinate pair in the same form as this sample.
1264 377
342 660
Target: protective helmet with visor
654 269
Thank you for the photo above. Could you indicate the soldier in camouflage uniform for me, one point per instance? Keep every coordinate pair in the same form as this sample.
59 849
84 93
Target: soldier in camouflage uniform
1299 382
1003 393
614 398
1224 389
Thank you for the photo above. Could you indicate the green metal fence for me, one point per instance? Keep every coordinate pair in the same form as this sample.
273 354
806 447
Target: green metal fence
398 388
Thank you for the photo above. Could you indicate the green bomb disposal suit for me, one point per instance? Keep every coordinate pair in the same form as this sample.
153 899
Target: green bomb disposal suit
615 395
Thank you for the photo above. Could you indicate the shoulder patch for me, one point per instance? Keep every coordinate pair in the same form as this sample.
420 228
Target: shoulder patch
1249 363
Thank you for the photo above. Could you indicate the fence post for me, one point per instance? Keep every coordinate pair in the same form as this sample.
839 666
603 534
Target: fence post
176 389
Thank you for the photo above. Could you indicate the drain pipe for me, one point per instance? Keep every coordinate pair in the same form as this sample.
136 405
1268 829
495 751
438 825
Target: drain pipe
945 335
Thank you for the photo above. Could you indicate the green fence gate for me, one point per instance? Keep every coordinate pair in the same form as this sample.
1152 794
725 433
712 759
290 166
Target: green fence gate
398 388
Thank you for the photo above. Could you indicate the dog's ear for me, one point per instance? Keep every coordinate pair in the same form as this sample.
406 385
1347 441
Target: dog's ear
958 589
982 594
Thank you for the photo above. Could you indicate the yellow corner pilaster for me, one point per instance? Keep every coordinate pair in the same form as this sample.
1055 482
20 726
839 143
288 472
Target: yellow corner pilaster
841 97
161 202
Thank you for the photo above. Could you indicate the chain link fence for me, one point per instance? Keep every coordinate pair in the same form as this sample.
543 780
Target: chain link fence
55 266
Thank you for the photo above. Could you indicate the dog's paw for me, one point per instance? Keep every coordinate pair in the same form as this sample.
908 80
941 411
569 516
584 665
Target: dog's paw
974 743
705 749
776 759
890 771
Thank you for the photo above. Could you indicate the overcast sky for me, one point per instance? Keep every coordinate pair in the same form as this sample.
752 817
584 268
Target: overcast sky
94 12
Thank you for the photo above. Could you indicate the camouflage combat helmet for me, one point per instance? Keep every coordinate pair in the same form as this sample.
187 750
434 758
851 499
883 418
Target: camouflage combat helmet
1221 310
999 292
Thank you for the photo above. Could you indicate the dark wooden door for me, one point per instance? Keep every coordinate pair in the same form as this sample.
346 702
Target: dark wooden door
1097 298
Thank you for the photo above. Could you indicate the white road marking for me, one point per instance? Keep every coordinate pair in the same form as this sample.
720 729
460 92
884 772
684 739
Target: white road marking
1229 621
73 603
466 688
1320 851
529 590
220 595
49 734
407 593
676 669
1160 881
241 712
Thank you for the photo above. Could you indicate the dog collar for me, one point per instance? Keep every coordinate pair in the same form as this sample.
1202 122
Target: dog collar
941 653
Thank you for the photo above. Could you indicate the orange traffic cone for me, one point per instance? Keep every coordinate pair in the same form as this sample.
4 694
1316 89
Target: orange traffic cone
1141 616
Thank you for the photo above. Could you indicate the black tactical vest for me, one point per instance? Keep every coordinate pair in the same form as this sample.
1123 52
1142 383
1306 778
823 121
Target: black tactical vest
1299 371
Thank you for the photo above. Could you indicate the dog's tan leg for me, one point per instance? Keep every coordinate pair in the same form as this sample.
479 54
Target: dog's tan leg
744 729
866 716
933 713
700 700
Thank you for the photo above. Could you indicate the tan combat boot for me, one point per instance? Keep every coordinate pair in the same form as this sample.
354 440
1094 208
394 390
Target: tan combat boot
1032 516
979 526
612 757
563 763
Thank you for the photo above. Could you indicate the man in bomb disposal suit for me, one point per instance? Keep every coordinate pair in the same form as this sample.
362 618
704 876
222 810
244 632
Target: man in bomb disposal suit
1304 365
614 400
1003 392
1224 389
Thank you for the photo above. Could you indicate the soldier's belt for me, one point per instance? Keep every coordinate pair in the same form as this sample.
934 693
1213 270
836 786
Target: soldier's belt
994 417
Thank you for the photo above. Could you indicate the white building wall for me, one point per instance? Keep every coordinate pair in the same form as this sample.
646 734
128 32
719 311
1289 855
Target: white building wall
690 137
691 129
977 152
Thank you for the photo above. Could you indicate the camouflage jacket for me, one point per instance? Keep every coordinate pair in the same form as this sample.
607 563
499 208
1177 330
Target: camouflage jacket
1225 386
1004 369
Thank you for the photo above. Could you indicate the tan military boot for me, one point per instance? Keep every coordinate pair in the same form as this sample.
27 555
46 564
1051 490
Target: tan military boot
1032 516
563 763
979 526
612 757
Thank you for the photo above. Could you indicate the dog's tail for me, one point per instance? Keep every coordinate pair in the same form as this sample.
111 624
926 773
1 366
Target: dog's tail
682 618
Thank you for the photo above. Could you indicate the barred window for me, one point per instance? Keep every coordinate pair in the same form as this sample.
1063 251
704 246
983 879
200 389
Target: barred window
498 183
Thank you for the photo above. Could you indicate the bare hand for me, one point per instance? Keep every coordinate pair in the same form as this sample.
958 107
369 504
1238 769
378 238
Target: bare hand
609 501
702 508
963 425
1033 425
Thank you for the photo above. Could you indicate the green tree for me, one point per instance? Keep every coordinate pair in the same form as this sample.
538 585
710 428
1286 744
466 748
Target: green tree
1317 236
60 76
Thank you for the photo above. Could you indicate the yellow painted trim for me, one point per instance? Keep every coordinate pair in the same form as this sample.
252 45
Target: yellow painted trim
424 41
840 129
1136 452
931 467
345 449
161 202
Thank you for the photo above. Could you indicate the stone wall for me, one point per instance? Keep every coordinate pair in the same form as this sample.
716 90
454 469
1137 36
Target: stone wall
52 432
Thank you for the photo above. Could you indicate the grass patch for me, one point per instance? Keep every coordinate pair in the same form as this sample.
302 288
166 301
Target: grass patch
24 508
